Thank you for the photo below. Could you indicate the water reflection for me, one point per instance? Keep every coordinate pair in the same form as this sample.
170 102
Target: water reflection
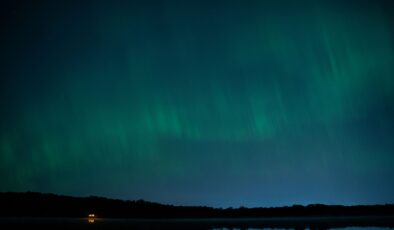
361 223
345 228
364 228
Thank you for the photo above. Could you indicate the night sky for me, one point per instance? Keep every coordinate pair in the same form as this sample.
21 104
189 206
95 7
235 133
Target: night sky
218 103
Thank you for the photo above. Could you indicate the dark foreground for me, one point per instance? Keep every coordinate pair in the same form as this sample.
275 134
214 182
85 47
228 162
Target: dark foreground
50 205
49 211
235 223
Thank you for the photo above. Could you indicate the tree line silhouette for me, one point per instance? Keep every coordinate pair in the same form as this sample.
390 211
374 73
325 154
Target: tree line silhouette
31 204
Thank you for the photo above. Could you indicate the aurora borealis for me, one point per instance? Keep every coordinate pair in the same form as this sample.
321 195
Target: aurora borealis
219 103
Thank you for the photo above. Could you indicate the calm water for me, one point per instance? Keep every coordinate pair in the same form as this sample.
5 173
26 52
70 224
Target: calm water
356 223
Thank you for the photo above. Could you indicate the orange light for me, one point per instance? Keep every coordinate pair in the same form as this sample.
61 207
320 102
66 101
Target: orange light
91 216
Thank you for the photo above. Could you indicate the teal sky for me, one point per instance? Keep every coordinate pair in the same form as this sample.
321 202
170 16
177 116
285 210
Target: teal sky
219 103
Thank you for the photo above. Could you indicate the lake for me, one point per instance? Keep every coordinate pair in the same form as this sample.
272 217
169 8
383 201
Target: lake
348 223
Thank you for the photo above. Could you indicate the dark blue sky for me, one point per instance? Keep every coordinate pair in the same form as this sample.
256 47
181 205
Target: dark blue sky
219 103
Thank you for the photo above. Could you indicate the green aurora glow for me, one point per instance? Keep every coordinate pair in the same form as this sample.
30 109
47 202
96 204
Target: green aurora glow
221 103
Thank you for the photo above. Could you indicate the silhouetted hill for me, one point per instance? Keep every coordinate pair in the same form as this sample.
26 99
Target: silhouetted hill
49 205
